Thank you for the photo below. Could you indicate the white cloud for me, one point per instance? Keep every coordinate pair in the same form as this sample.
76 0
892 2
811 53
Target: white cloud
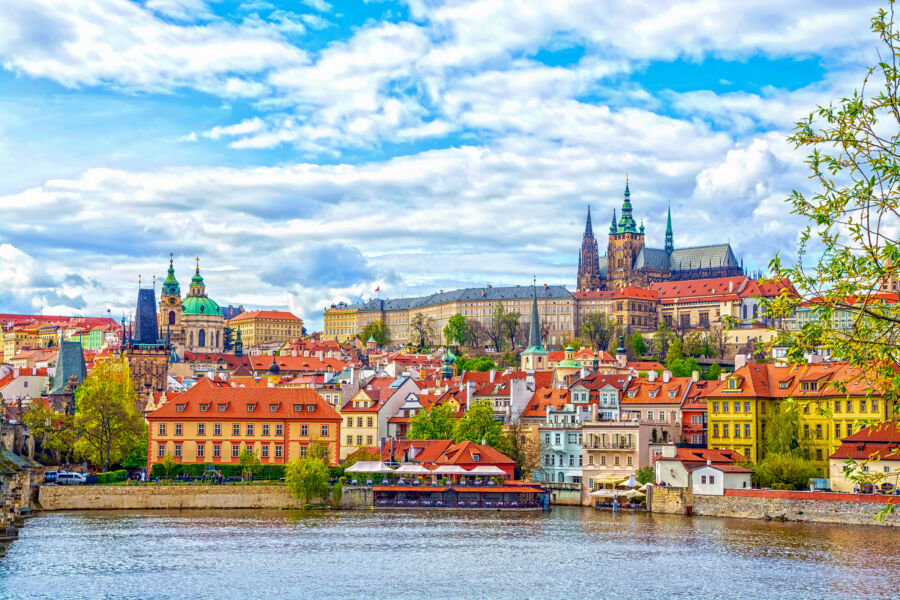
319 5
184 10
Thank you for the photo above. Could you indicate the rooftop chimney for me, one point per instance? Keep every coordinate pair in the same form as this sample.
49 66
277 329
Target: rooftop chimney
651 375
695 376
594 412
667 375
730 286
740 361
815 359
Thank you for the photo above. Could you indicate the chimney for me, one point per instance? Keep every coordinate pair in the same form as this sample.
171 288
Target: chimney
730 287
594 412
667 375
549 408
584 372
470 390
740 361
545 286
708 461
651 375
695 376
815 359
493 374
483 442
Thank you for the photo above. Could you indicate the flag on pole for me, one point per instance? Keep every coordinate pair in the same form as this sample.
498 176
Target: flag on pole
378 289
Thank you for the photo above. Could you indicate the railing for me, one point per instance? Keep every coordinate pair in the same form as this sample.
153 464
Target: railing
610 447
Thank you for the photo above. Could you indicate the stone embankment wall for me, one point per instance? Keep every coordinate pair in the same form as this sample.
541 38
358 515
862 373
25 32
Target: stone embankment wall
148 497
820 507
669 500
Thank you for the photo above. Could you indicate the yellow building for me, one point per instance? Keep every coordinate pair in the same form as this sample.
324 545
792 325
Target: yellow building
214 422
341 323
360 425
265 326
874 450
738 405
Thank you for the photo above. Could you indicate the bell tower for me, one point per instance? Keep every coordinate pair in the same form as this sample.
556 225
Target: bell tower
589 278
170 309
625 243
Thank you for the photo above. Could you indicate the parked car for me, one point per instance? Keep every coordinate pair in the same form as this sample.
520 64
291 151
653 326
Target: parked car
50 476
70 479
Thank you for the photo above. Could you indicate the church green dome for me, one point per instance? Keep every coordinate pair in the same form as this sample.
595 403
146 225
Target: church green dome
200 305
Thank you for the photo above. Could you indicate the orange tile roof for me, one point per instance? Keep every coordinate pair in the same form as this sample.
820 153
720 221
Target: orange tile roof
700 288
297 363
636 293
544 397
880 442
785 381
643 391
463 452
652 365
237 399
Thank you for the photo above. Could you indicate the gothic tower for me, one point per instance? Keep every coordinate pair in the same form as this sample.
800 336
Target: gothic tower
589 260
670 239
625 243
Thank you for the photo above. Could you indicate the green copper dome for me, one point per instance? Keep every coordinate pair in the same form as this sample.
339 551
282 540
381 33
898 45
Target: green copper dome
200 305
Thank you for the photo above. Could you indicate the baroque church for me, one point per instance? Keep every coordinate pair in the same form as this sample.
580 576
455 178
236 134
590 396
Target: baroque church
628 262
193 324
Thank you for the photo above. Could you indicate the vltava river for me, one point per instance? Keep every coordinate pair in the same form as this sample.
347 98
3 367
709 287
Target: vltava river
570 553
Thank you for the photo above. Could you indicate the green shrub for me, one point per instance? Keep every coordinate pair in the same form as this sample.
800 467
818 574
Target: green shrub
266 472
112 476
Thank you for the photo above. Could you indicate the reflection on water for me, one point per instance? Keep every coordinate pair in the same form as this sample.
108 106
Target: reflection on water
569 553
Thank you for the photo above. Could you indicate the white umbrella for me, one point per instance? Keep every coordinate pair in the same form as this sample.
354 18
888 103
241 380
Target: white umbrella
605 493
450 470
487 470
369 466
412 469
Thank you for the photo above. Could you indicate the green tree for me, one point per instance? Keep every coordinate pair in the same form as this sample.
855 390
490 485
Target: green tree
494 330
849 251
379 330
683 367
637 342
363 454
250 464
675 352
482 364
509 325
645 475
479 424
434 424
520 444
713 372
783 430
168 464
337 492
307 478
456 331
53 432
662 338
107 423
228 338
784 472
598 328
137 458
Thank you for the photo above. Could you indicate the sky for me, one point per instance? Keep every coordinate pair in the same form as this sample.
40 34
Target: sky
312 151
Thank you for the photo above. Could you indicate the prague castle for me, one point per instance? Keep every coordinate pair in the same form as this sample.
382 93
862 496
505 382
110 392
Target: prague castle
628 262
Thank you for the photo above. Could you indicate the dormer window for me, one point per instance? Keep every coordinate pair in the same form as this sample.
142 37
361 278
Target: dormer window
783 385
222 407
476 457
251 407
180 407
732 384
273 407
632 393
809 386
298 408
204 407
310 408
671 393
652 394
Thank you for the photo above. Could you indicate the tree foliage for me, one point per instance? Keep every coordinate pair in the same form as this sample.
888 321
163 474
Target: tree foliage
645 475
456 331
482 364
713 372
479 424
307 478
53 432
378 330
107 424
638 344
784 472
783 430
598 328
849 251
250 464
522 444
434 424
662 338
421 329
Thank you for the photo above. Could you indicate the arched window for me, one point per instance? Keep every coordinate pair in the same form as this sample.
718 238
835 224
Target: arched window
217 339
191 339
744 312
201 338
171 317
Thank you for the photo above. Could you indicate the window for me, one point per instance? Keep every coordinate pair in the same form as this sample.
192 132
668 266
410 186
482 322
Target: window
746 407
279 429
349 440
277 451
806 431
264 451
179 407
273 408
715 407
304 430
217 450
217 429
222 407
201 450
725 407
849 405
349 421
359 439
603 459
837 406
201 428
737 430
874 405
849 428
325 431
235 450
265 429
725 430
819 454
628 460
556 438
236 429
746 430
617 460
298 408
712 480
161 450
359 421
649 415
737 407
162 429
703 479
249 428
368 440
732 384
591 460
251 407
368 421
204 407
580 460
303 451
819 431
715 430
310 408
178 429
837 430
862 406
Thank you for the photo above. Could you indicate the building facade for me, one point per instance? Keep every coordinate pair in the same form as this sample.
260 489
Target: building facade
265 326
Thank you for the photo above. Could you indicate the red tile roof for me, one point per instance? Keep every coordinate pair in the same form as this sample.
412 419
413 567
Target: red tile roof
297 364
636 293
544 397
785 381
880 442
463 453
643 391
700 456
265 314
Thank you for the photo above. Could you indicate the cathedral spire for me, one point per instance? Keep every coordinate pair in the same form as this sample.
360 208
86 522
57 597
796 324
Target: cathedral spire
670 240
612 226
627 223
588 230
534 332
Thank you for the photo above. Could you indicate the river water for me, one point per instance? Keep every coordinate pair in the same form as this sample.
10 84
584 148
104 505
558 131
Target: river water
570 553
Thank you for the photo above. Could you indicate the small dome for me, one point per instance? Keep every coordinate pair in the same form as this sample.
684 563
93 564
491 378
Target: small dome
449 358
274 369
570 349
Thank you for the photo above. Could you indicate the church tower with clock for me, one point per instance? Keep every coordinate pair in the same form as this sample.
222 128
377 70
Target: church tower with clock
170 310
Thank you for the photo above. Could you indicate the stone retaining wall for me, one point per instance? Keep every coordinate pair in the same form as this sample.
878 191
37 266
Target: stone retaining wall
142 497
854 509
669 500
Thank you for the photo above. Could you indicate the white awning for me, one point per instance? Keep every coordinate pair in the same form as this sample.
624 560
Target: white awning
487 470
369 466
412 469
605 493
451 470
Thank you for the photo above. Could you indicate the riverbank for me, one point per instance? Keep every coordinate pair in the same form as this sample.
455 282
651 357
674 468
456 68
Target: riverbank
176 497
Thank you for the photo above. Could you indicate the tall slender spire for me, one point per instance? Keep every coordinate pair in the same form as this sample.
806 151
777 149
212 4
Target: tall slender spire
588 230
534 332
627 223
612 226
670 239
